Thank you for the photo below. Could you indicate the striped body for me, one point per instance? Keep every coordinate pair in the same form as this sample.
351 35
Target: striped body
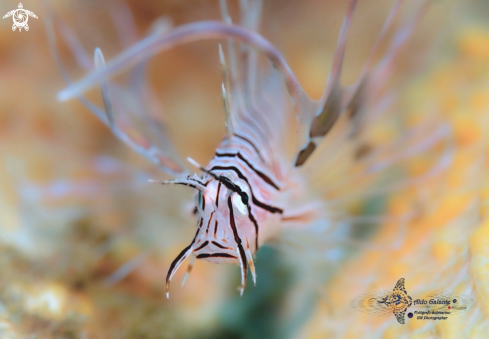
230 230
238 159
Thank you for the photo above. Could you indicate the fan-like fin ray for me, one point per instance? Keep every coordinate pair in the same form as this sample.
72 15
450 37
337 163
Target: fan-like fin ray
175 265
226 92
153 44
261 110
356 99
251 264
332 96
189 269
159 151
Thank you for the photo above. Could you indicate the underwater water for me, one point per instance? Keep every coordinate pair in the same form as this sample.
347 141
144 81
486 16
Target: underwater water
86 242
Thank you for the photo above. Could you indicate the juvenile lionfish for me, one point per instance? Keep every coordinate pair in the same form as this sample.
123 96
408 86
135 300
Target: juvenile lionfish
254 185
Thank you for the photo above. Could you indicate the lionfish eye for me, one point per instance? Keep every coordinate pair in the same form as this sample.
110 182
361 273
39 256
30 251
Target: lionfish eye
240 208
244 198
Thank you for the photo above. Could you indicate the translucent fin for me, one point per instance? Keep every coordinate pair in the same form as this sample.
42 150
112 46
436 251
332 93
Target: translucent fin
188 181
355 100
79 52
356 96
54 50
175 265
250 19
153 44
140 94
227 110
412 144
98 59
244 68
137 142
243 267
189 269
233 71
384 70
226 92
335 73
442 163
143 145
263 112
136 108
371 84
385 29
251 264
332 96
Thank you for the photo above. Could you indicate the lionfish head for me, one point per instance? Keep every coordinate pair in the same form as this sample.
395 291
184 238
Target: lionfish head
225 232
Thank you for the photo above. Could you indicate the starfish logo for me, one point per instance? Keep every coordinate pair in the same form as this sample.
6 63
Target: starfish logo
20 17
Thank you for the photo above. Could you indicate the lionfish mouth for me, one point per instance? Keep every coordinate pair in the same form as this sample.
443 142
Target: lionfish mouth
220 254
216 253
217 257
213 250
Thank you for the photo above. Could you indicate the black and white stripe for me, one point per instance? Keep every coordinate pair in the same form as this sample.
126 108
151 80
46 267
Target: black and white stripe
240 156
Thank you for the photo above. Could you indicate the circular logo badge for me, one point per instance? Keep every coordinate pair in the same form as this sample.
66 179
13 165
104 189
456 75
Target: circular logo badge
20 17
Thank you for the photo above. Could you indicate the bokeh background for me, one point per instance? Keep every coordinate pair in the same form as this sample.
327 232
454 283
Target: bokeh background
75 207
